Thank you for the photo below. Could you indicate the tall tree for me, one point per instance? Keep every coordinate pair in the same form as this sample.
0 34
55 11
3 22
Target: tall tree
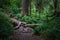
56 12
25 7
38 4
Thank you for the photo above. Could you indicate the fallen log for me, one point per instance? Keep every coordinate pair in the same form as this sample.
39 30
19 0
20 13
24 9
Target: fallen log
16 21
19 23
32 24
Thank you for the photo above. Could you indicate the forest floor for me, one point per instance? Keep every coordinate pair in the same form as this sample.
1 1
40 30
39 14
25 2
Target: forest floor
24 36
17 35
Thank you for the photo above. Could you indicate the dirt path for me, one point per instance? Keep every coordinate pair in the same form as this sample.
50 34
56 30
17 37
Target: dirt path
24 36
17 35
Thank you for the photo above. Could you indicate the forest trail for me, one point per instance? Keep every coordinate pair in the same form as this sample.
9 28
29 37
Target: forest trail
26 35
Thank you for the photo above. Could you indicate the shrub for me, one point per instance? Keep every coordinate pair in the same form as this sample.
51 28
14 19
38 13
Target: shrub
6 28
50 30
28 19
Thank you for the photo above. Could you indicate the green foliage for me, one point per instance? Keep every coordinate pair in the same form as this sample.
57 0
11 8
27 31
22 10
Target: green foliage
28 19
41 11
4 3
49 30
13 6
6 28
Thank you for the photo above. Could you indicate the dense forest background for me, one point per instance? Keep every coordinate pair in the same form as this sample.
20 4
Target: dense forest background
44 12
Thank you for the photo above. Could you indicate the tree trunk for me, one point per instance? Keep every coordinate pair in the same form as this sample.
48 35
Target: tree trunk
56 12
25 7
38 5
30 7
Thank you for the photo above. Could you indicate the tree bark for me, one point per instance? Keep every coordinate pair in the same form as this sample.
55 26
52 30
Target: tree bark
56 12
25 7
38 5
